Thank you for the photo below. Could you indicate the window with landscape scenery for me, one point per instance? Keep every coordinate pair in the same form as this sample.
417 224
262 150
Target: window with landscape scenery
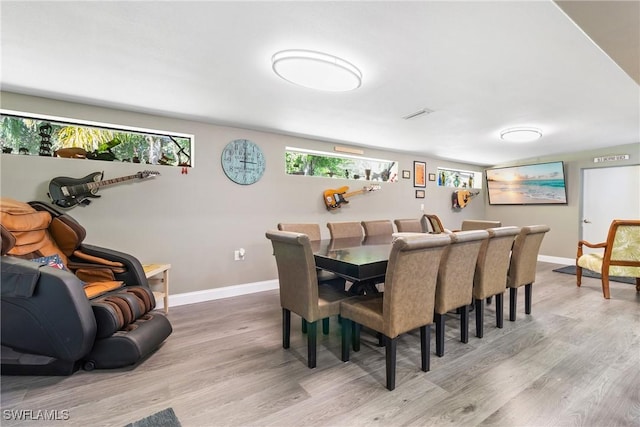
34 135
300 161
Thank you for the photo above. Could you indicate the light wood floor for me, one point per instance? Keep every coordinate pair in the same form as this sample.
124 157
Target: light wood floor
574 361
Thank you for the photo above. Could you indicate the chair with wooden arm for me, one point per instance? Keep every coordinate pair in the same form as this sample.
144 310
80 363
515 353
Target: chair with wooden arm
621 256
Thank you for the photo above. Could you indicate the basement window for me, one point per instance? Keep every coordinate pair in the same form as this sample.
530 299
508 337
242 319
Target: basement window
459 178
48 136
301 161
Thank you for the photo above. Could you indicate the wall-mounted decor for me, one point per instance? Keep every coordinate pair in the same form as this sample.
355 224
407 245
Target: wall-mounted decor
420 194
432 177
459 178
419 174
243 161
406 174
535 184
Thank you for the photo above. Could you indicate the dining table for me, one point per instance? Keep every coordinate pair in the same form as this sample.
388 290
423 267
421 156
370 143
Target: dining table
362 261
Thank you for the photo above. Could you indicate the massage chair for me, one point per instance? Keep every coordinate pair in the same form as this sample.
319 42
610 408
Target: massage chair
66 304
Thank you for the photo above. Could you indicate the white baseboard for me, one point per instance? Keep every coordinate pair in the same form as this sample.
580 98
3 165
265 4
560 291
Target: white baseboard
219 293
269 285
557 260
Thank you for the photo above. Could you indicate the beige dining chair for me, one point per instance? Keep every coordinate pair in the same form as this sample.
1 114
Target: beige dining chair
455 282
409 225
523 264
324 277
407 302
479 224
339 230
382 227
490 278
299 289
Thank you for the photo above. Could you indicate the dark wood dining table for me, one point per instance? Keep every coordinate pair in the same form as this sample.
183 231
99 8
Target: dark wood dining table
362 261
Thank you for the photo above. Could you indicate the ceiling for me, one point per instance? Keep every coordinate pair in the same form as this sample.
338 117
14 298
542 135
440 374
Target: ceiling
479 66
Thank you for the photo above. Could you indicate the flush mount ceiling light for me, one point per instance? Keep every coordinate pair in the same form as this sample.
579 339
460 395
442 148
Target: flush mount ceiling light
316 70
521 134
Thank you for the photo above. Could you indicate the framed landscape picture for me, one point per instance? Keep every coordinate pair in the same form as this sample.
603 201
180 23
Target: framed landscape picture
419 174
535 184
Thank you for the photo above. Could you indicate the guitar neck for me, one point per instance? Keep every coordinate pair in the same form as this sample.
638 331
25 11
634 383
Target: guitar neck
353 193
73 189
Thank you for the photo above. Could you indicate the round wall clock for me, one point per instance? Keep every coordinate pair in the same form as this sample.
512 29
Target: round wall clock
243 161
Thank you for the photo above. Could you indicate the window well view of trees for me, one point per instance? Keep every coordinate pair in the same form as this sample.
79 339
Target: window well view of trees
24 135
332 166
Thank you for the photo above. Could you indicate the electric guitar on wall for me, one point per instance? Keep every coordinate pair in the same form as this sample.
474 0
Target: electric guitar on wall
69 192
460 198
334 198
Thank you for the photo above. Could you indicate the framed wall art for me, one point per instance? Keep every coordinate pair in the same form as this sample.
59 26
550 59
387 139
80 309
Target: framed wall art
420 194
419 174
406 174
432 177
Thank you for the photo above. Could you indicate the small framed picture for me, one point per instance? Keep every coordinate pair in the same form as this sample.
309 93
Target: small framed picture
419 194
432 177
406 174
419 174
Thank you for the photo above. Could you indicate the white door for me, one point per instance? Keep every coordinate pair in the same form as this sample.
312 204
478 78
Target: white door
608 194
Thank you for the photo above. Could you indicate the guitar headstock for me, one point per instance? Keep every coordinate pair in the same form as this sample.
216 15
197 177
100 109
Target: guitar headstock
372 187
147 174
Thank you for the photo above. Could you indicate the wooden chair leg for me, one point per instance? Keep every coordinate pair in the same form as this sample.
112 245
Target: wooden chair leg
390 353
304 326
513 299
578 275
312 330
286 328
527 298
346 339
637 284
479 318
439 318
605 286
425 347
325 326
499 310
464 324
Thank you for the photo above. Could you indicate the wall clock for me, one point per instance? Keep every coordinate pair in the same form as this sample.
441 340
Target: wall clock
243 161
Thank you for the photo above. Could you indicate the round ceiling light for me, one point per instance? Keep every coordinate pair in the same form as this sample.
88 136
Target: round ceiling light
521 134
316 70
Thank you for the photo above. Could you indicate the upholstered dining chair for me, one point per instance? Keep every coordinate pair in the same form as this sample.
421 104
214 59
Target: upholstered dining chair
339 230
491 273
299 289
433 222
324 277
479 224
407 302
454 288
522 267
409 226
381 227
621 256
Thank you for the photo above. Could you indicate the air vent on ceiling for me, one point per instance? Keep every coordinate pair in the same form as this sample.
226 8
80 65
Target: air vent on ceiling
418 114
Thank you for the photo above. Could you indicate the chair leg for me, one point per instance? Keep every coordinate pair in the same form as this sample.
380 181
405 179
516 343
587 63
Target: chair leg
527 298
439 318
464 324
346 338
325 326
499 310
489 300
513 298
390 353
356 328
637 284
312 329
286 328
605 284
425 347
304 326
479 318
578 275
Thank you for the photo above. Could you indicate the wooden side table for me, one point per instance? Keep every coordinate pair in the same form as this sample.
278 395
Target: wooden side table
153 270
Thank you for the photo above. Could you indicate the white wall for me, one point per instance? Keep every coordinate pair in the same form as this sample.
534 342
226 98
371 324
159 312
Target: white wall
195 221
